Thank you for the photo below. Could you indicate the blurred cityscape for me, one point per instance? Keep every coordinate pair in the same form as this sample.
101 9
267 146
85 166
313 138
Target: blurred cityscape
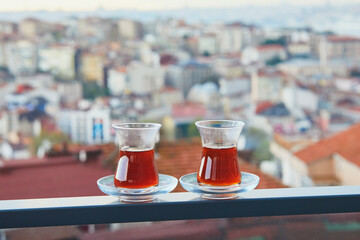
66 82
66 77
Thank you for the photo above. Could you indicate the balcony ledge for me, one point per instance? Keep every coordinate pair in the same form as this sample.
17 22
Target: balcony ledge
177 206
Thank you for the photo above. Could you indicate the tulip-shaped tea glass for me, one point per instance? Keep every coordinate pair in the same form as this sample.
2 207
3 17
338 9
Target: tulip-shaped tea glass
219 163
136 168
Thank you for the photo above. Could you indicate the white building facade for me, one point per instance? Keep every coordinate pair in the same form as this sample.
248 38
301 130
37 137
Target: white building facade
86 126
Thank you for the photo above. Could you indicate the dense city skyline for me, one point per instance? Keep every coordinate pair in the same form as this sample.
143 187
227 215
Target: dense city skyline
81 5
75 74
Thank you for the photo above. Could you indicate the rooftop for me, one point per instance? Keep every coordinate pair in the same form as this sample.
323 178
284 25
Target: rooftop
194 64
345 143
290 142
275 110
270 47
342 39
168 89
263 106
188 109
62 176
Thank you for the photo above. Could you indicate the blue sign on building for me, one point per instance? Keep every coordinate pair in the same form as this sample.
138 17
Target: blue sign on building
98 129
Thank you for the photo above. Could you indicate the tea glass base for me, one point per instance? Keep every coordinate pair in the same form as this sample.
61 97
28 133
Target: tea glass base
249 181
137 199
220 196
166 184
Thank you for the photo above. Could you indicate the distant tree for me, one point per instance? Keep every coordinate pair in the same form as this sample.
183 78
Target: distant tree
4 69
57 36
261 151
110 161
212 78
280 41
5 74
355 73
186 37
274 61
192 129
52 137
93 90
187 48
327 33
206 54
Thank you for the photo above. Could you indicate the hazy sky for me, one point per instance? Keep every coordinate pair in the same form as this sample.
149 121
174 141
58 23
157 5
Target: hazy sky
85 5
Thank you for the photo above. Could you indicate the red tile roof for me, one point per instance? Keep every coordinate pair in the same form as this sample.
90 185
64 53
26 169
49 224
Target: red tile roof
54 177
168 89
167 59
353 108
188 109
29 19
351 153
345 143
271 74
263 106
342 39
121 69
22 88
270 47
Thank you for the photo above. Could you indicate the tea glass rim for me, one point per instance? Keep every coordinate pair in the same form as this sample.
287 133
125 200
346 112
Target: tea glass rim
202 123
130 126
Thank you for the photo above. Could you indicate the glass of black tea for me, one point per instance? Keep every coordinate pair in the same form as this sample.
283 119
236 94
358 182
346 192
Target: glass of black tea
219 163
136 167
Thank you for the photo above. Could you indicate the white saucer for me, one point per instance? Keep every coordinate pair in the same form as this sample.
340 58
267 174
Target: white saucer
249 181
166 184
